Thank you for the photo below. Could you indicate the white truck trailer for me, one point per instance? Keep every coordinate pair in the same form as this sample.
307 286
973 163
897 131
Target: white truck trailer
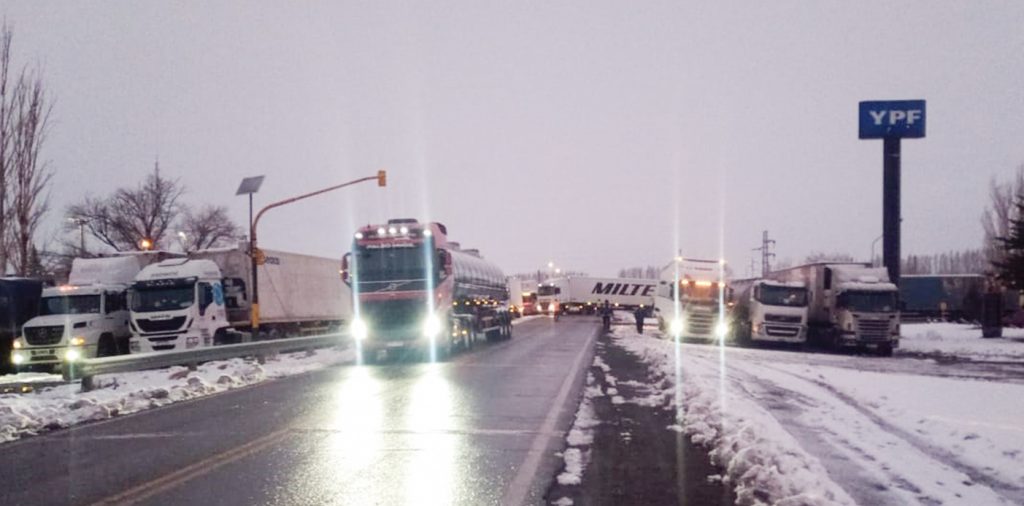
87 317
849 304
205 299
584 295
768 311
688 301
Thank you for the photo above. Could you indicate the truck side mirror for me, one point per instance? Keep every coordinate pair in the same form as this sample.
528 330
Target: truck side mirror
345 277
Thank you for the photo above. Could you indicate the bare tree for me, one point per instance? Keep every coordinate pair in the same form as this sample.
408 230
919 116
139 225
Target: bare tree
1001 211
208 227
123 220
24 177
29 175
820 256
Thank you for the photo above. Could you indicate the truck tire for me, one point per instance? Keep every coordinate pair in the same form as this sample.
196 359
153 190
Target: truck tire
106 347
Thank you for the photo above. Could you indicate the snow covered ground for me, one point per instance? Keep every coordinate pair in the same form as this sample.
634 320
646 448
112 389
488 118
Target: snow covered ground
119 394
807 428
961 341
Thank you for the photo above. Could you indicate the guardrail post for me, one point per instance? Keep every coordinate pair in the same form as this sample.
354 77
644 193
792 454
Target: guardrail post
87 384
261 358
192 366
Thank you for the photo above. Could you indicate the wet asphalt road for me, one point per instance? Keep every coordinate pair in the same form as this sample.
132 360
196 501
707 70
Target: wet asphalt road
479 429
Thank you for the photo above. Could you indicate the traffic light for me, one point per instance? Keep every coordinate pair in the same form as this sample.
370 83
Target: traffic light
382 178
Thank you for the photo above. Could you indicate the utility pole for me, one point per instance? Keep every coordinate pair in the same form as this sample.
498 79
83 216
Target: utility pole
767 245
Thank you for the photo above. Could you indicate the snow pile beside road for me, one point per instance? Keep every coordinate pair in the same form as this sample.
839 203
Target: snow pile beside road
120 394
764 463
581 435
961 341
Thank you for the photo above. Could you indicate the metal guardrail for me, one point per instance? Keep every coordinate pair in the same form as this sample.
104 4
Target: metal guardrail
86 369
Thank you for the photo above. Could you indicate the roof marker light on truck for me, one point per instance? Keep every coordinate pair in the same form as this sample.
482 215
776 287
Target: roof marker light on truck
404 230
392 230
427 233
359 235
381 231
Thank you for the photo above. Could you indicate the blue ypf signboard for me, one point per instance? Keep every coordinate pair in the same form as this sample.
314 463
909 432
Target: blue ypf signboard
892 119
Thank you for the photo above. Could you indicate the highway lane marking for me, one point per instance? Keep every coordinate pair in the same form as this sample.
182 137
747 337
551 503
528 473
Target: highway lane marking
519 489
171 480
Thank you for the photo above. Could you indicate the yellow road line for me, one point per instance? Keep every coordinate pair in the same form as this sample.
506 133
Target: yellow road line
168 481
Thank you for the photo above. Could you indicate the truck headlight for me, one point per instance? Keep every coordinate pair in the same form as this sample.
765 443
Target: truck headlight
17 358
721 329
359 330
17 344
72 355
676 327
432 326
78 341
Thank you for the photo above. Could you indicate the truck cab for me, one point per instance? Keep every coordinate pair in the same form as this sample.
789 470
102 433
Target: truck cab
770 311
867 313
688 300
177 304
74 322
549 294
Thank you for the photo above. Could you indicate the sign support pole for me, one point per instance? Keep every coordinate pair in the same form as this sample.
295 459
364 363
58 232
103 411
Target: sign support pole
891 207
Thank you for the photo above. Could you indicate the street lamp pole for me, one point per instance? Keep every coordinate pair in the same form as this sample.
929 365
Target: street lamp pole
255 255
873 243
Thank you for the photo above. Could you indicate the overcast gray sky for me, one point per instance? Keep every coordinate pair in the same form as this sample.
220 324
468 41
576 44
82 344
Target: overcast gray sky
594 134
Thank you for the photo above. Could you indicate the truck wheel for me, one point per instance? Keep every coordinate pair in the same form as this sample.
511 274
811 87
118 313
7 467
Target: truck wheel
106 346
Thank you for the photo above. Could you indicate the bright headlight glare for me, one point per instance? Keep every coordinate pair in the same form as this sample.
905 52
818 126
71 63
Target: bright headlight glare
78 341
17 358
72 355
676 327
17 344
432 326
359 329
721 329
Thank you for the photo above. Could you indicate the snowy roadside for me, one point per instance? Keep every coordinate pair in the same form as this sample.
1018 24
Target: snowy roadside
762 461
960 341
790 427
120 394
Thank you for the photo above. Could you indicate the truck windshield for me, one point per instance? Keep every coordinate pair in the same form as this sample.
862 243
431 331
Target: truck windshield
868 302
70 304
390 264
548 290
150 299
782 296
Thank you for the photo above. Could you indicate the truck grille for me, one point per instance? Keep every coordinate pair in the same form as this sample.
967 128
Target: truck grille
781 330
42 336
160 325
394 314
699 323
873 330
782 318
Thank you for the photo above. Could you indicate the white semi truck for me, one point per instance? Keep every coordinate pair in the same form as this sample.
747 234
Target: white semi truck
688 301
205 299
86 318
768 311
585 295
849 304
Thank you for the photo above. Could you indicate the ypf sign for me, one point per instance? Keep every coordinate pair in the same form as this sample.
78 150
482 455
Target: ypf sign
891 120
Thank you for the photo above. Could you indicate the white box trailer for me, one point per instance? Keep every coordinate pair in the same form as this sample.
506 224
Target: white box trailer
294 288
206 299
587 294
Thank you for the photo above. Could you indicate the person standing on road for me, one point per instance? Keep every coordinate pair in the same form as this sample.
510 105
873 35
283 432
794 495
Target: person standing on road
606 316
639 315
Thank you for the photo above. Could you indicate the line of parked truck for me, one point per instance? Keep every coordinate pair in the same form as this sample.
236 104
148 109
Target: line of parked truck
413 290
837 304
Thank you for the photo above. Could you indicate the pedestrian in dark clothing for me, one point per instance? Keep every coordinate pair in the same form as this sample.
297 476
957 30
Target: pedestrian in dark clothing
606 316
639 315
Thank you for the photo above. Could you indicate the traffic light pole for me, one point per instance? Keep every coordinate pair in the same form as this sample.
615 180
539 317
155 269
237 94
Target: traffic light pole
254 252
